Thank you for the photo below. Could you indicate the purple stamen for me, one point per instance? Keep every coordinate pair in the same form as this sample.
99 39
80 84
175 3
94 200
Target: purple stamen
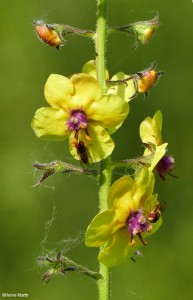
165 165
138 223
77 120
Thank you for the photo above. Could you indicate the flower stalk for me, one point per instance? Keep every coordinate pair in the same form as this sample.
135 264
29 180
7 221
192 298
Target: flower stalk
57 166
105 166
62 265
100 42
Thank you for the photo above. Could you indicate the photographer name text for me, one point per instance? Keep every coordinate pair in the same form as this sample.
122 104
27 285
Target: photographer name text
15 295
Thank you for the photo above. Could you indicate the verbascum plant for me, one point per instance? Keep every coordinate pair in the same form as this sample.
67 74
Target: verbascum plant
86 109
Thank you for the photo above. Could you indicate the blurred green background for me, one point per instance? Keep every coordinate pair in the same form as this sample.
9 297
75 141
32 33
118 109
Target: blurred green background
166 269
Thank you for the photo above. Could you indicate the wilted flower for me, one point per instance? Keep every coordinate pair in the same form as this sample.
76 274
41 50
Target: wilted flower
123 228
79 111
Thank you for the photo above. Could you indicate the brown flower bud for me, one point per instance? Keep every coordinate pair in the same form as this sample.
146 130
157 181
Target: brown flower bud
147 79
49 34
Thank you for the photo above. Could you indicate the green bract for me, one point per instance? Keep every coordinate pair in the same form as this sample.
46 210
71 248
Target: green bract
80 96
150 133
110 227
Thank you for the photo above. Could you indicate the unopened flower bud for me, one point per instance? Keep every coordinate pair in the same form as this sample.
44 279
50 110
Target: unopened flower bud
145 29
50 34
147 79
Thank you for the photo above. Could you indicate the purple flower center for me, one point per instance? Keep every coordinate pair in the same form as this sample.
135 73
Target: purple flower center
138 223
77 120
165 165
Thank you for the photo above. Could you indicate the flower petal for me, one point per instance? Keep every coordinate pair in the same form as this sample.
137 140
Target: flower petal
112 130
50 124
101 228
109 111
118 249
144 185
119 194
87 90
150 129
99 147
90 68
159 153
128 195
58 91
126 90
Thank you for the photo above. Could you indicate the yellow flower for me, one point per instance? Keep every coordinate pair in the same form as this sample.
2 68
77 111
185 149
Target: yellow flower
131 217
150 133
80 112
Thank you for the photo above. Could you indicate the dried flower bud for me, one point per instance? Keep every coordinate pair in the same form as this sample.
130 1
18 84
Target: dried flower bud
50 34
144 30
